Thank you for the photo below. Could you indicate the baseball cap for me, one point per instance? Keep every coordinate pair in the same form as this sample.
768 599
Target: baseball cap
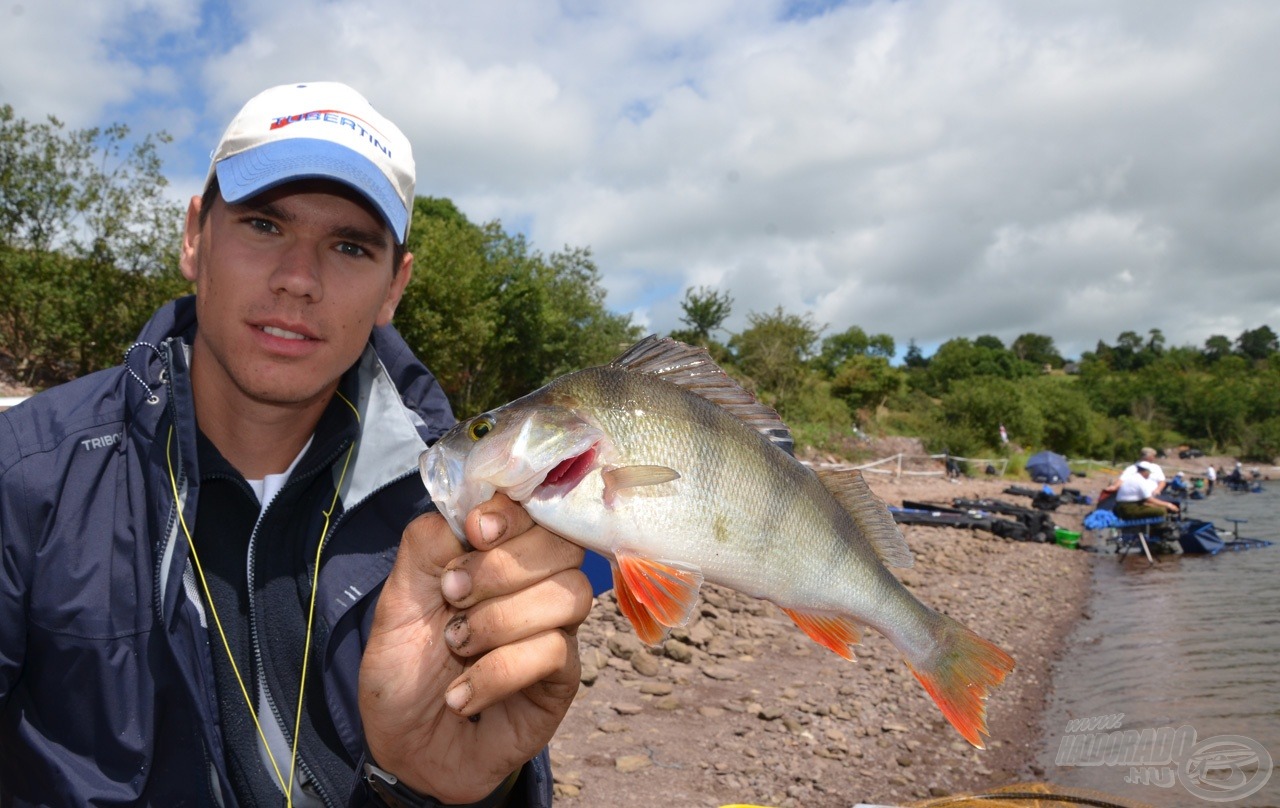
317 130
1144 465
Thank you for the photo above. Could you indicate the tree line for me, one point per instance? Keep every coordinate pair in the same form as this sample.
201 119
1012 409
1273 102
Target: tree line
89 247
1135 392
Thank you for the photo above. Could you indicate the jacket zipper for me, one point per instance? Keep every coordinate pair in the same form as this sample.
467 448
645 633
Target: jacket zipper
254 640
157 586
324 541
213 788
170 525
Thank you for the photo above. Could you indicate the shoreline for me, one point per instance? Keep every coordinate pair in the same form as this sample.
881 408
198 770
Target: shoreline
743 707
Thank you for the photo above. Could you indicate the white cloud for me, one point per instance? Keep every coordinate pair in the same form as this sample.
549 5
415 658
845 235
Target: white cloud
924 168
74 60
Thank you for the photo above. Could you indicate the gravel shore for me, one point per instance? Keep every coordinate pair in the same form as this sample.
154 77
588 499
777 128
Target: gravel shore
742 707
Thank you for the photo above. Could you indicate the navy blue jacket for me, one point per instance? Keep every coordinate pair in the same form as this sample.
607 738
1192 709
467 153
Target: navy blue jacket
107 692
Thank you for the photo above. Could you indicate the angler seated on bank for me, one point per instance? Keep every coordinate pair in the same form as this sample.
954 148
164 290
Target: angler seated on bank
1137 494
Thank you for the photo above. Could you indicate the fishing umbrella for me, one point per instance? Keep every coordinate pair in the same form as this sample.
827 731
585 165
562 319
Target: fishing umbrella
1048 467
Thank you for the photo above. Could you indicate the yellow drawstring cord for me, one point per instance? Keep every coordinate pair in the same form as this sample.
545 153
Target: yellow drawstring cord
311 608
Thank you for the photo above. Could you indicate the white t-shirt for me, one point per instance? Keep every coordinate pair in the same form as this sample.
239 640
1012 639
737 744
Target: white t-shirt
1157 473
1136 488
269 486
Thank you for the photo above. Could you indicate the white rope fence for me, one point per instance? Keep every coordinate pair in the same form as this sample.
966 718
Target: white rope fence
1090 465
896 465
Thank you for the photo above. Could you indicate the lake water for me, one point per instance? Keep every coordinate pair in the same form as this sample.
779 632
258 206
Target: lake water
1186 650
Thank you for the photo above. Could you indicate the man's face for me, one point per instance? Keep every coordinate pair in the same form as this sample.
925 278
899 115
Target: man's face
289 285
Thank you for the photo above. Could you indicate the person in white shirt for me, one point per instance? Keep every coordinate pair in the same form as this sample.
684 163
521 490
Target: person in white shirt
1136 495
1148 456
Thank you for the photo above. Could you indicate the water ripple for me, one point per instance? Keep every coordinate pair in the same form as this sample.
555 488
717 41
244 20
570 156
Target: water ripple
1191 641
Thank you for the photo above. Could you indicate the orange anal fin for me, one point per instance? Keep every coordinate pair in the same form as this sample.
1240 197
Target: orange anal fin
964 670
647 629
834 631
668 590
620 480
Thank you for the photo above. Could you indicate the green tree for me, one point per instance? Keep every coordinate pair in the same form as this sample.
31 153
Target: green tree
705 310
1261 441
774 351
1257 343
838 348
1216 347
495 319
972 411
914 358
1071 426
958 359
1155 342
88 244
1213 407
1038 349
866 382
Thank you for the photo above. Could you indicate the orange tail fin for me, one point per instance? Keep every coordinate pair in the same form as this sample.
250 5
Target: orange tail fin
958 674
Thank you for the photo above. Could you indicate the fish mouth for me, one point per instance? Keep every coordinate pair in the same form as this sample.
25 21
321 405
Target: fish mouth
566 474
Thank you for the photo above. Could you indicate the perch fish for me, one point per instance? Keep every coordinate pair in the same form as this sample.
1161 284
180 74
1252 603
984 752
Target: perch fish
667 467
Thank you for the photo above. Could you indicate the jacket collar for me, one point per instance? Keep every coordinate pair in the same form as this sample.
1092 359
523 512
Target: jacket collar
390 440
395 423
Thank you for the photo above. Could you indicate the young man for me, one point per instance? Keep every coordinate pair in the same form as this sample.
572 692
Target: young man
217 584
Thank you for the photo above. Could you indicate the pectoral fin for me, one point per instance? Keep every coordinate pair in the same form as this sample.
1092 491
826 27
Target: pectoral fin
617 481
667 590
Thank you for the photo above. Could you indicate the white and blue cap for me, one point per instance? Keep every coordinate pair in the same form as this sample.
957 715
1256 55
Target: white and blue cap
317 130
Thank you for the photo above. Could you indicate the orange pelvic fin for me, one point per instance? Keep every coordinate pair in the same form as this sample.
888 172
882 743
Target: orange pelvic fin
668 590
962 668
646 627
835 631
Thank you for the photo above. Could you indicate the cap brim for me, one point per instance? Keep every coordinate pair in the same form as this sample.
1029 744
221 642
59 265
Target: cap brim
245 175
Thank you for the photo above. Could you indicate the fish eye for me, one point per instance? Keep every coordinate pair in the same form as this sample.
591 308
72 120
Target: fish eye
480 427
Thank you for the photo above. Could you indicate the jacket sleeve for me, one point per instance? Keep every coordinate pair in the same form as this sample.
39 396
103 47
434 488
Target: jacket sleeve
533 789
13 587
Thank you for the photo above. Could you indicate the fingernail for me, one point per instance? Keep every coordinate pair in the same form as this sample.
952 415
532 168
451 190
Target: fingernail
492 526
458 632
455 585
458 696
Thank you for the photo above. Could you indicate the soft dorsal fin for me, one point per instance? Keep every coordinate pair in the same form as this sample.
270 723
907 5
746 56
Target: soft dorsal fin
869 514
693 369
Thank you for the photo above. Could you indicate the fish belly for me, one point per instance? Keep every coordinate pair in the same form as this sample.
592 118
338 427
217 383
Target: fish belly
782 549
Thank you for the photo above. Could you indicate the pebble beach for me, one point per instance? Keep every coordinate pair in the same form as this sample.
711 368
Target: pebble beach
741 707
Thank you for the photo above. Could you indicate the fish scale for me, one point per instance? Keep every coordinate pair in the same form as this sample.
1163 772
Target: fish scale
664 465
658 424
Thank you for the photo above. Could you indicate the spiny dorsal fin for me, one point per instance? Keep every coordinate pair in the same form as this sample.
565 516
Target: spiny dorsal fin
694 370
869 514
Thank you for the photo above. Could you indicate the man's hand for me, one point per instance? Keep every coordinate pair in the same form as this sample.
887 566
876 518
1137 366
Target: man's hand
473 660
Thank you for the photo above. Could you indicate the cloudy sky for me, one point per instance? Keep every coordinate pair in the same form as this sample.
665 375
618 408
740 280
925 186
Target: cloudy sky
921 169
